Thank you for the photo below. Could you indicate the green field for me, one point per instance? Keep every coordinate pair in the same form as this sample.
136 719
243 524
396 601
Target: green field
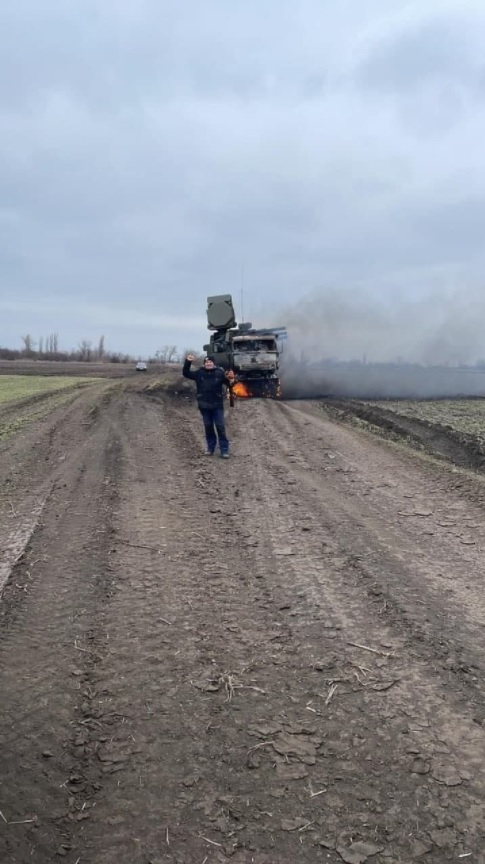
462 415
16 387
45 394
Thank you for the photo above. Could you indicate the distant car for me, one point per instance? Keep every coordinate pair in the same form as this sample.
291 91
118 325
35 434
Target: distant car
141 367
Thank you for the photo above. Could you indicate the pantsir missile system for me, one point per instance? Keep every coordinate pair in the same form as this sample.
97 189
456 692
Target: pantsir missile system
253 355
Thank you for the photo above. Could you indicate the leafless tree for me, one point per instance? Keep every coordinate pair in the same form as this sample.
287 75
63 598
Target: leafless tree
41 345
52 344
29 345
172 353
100 349
85 351
166 354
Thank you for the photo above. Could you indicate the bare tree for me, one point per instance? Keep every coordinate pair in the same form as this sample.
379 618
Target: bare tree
29 345
41 345
52 344
100 348
171 353
163 353
85 351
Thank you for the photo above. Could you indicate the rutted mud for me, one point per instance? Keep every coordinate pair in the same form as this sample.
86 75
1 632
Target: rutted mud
272 660
457 447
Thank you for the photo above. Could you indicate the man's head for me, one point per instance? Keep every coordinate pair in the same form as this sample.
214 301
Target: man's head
209 363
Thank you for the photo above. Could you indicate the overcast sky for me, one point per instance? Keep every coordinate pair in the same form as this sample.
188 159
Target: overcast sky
150 149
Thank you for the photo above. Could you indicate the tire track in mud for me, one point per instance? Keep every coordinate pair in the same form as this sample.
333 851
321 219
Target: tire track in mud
194 630
44 443
388 727
181 655
50 621
48 445
327 579
405 581
422 540
13 548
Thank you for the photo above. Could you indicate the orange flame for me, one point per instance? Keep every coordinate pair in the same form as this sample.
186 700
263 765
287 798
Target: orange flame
241 390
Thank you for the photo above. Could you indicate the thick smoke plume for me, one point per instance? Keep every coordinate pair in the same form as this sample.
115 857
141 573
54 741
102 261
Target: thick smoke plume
365 348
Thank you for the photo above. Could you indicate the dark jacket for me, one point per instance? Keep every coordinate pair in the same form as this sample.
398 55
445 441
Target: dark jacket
210 384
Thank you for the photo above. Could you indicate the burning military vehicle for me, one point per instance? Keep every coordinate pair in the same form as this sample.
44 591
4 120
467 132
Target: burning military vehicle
252 355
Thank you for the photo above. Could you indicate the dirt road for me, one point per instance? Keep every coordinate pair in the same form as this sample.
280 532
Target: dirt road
274 659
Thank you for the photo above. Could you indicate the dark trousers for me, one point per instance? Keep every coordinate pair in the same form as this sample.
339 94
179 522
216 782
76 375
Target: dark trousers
213 419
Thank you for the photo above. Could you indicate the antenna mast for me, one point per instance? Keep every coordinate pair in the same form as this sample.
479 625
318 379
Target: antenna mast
242 294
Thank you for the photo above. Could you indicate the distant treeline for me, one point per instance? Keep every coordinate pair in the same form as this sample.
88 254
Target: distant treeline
47 348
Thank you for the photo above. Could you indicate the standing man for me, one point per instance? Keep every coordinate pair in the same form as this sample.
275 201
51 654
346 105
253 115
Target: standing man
210 381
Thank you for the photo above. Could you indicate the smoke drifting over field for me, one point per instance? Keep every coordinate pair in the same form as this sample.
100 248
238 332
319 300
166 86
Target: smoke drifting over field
363 347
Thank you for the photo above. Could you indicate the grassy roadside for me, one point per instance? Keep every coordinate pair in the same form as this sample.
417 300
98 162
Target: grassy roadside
25 401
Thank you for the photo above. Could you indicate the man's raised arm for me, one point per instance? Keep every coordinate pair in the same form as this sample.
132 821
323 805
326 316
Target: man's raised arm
186 371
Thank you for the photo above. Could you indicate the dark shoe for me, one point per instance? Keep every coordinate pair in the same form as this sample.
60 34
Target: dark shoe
225 455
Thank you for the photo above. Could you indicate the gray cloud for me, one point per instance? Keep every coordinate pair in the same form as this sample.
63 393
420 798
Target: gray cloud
148 150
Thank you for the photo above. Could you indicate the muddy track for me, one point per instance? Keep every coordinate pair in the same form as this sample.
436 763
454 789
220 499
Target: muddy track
14 416
273 659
